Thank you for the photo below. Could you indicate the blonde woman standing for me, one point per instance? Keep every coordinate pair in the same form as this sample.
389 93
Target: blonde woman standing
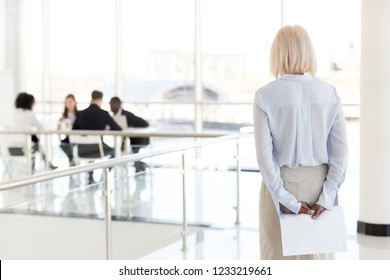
300 138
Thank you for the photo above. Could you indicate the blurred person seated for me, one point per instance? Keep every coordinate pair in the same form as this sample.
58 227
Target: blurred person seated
95 118
25 119
65 123
131 121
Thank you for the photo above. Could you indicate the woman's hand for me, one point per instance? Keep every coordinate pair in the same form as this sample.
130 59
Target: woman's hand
318 209
303 210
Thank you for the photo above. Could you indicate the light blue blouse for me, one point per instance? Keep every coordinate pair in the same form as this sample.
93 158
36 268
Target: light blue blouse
299 120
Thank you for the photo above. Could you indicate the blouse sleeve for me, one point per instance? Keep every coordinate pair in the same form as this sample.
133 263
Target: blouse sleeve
338 159
267 164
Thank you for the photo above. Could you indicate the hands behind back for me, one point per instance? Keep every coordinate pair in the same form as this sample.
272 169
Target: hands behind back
305 209
318 209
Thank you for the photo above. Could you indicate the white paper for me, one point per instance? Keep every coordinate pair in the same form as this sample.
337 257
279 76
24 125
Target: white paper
303 235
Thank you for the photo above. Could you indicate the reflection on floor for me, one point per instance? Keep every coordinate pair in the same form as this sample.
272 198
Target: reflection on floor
153 201
28 237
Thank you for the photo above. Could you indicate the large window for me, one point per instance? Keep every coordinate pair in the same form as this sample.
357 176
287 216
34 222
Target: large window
334 27
236 37
58 47
82 46
158 58
3 30
24 45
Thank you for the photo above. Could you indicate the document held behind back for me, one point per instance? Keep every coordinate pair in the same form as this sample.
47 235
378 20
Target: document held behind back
303 235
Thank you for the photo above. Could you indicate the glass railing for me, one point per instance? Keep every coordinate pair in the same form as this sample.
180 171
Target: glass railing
94 213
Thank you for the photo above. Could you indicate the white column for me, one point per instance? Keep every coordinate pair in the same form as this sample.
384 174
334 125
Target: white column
12 41
46 75
3 34
198 87
9 57
374 212
283 8
119 81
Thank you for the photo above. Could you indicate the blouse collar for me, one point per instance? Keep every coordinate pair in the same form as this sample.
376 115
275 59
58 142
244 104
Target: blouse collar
296 77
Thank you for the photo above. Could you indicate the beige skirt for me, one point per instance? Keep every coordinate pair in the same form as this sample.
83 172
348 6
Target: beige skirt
305 183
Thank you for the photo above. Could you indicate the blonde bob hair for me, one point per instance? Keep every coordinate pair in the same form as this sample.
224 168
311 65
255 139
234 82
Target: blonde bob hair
292 52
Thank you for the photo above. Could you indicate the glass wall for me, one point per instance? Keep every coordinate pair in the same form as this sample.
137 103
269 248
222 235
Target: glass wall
334 27
23 37
158 58
158 41
82 47
235 44
146 57
236 38
3 24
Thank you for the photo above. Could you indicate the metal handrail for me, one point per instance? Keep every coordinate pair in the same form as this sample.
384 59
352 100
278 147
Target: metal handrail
169 102
46 176
130 132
